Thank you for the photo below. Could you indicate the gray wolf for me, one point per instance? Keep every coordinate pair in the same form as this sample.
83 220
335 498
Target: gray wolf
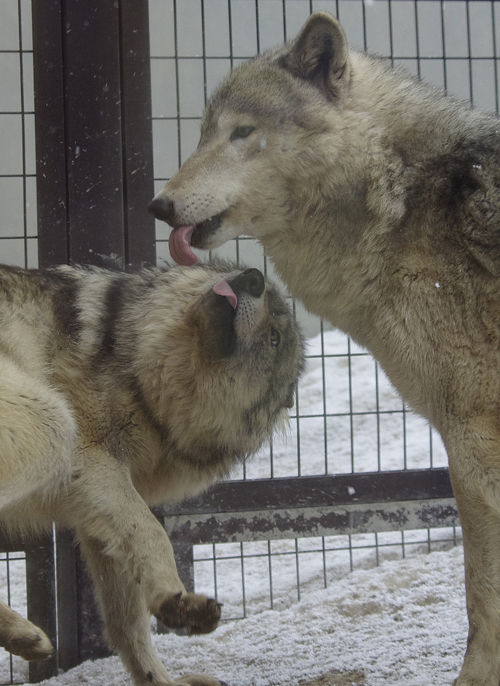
119 391
378 200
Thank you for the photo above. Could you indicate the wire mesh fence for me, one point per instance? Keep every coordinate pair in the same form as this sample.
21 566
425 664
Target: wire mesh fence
18 228
250 577
347 418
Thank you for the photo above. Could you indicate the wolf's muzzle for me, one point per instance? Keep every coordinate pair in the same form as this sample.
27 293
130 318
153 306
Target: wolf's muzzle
250 281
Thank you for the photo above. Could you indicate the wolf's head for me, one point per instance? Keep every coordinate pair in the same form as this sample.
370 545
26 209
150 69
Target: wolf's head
219 356
256 147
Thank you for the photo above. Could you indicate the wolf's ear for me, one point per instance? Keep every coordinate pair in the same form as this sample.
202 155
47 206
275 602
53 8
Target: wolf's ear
320 54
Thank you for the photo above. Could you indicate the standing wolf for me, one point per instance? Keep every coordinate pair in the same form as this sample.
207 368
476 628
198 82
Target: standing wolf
378 200
121 390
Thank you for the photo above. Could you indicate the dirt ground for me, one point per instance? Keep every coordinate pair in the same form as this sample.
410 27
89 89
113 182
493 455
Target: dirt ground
338 679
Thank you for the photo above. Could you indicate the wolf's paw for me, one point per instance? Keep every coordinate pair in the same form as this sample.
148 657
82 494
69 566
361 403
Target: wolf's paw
32 644
195 613
198 680
186 680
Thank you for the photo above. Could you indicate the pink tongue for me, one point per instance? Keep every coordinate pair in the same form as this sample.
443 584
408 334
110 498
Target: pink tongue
223 288
179 244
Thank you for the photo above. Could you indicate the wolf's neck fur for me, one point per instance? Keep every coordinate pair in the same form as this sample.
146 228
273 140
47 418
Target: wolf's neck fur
373 238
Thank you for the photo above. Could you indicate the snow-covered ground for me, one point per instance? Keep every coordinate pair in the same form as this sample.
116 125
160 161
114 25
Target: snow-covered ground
402 623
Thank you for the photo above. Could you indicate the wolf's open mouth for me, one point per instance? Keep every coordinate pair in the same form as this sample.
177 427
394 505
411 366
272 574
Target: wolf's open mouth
205 229
183 237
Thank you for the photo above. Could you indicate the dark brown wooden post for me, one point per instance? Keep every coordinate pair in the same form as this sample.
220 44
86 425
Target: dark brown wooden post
94 182
41 600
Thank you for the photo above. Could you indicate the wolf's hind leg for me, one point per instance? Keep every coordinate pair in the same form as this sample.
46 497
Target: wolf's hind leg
481 532
476 486
127 619
37 433
20 637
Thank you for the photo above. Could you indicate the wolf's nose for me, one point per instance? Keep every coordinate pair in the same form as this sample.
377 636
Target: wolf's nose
162 208
250 281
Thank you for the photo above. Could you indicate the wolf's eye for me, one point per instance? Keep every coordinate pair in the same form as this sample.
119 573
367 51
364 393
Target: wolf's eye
242 132
275 337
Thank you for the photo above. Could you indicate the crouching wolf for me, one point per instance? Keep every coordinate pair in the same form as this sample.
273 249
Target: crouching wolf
123 390
378 200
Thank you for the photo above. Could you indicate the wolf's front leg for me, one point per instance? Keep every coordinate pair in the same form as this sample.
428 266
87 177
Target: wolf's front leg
477 492
132 564
127 620
103 505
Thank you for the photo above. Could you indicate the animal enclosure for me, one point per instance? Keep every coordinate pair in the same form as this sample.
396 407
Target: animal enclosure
359 477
